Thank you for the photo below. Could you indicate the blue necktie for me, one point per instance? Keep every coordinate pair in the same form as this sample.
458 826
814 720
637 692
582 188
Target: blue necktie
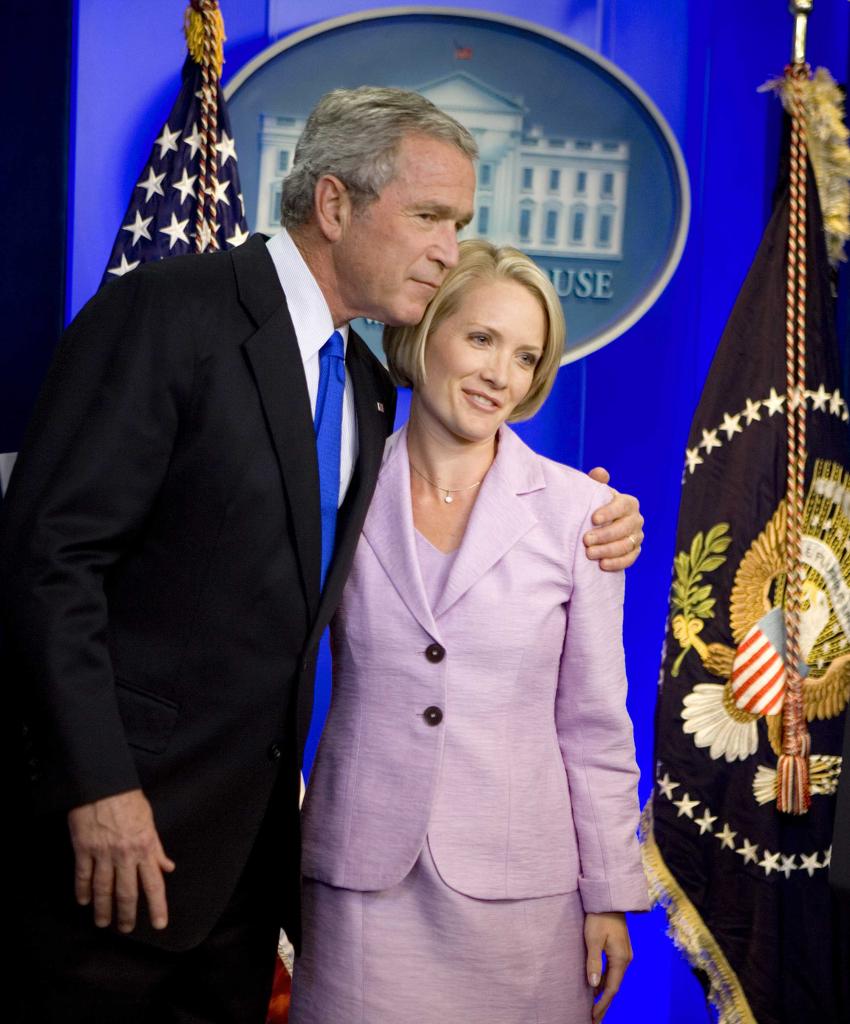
328 426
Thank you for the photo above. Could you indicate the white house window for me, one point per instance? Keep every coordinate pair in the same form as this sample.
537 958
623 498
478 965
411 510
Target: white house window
283 161
274 203
483 220
528 178
607 189
604 227
577 224
485 176
581 183
551 234
525 215
554 180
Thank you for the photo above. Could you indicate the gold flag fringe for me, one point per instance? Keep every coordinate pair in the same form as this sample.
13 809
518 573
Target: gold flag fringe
689 932
829 150
197 13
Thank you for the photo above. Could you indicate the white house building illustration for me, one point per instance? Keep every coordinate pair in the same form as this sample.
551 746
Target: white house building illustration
547 195
278 136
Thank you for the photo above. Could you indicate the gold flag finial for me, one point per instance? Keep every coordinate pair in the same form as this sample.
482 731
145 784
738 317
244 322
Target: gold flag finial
801 9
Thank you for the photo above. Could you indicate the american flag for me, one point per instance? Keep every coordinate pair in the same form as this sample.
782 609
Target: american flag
162 215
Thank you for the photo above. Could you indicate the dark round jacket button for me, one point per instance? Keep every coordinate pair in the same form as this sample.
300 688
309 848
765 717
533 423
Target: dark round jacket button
435 653
275 753
433 715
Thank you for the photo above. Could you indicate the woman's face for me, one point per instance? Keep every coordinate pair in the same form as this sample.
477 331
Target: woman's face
479 362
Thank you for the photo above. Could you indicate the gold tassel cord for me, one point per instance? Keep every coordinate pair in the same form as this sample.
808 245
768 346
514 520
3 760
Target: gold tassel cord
204 30
201 19
794 796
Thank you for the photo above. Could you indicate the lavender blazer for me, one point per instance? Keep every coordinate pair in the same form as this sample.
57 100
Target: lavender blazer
527 784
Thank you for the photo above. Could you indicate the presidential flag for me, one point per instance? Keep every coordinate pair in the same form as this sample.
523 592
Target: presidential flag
738 830
188 197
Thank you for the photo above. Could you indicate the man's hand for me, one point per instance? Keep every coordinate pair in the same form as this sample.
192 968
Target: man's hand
616 544
116 845
606 933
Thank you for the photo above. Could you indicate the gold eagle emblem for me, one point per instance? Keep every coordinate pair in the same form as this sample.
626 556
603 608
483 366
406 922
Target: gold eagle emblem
710 712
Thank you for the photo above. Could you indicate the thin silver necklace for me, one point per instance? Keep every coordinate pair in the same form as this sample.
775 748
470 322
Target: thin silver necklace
448 491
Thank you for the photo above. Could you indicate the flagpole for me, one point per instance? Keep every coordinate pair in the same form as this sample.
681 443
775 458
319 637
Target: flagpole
801 9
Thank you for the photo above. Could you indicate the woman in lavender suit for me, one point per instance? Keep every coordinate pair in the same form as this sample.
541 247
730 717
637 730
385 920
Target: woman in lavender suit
469 830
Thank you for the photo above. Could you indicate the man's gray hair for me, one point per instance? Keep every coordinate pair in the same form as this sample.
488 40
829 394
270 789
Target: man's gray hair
355 134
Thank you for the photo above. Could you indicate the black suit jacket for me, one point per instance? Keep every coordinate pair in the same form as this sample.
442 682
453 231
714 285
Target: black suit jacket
160 556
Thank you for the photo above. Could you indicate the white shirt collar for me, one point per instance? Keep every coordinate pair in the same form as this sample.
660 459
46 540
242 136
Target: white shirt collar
311 316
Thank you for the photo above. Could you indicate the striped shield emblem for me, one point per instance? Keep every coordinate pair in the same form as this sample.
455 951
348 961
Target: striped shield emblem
758 671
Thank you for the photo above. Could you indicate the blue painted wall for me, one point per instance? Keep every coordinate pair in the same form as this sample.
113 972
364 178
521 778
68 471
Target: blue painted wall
627 406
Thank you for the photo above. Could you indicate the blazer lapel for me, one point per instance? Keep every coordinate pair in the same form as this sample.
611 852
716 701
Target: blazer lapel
372 431
275 360
498 520
390 532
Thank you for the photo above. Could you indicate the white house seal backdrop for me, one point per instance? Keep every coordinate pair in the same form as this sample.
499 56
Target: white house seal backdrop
578 168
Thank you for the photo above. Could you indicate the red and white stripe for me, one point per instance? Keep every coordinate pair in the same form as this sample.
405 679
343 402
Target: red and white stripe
758 675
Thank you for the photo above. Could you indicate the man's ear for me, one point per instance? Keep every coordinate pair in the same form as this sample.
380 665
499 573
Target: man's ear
332 207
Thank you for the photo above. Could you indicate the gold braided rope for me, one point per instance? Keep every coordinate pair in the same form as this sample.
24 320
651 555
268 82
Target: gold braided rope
794 796
205 37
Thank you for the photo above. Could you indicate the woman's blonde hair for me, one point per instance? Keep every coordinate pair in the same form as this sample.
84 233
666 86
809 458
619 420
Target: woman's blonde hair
480 261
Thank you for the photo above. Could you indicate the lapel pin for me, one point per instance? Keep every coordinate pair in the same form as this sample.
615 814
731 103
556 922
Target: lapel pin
380 406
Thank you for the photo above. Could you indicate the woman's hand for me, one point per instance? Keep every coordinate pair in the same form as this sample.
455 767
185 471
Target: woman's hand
608 934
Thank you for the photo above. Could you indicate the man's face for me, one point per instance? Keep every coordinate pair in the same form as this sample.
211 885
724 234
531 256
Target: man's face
395 252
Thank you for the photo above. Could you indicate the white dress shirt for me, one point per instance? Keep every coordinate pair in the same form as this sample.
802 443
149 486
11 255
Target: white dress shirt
313 325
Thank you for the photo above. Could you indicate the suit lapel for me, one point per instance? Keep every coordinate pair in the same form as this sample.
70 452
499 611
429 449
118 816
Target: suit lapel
390 533
372 428
275 360
498 520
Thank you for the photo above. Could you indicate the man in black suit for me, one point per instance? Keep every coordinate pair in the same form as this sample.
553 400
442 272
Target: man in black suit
160 551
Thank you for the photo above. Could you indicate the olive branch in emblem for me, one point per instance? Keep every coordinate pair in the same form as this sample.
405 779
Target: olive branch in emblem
690 596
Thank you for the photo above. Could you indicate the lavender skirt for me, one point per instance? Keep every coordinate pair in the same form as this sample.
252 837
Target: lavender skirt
422 953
